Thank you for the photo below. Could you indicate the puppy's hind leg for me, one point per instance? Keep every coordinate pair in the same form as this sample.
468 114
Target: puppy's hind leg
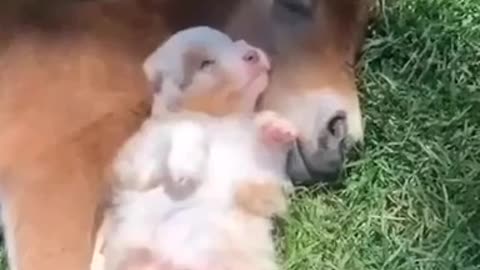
262 198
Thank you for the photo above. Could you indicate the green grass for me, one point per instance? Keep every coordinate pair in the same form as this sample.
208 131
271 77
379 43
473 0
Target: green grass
412 199
3 259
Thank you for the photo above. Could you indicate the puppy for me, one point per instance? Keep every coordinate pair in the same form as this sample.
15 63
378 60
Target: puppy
197 185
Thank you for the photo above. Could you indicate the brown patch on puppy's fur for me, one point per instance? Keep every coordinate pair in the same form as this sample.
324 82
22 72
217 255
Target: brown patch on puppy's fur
220 103
262 198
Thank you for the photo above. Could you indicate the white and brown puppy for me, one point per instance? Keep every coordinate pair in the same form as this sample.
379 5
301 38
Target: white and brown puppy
238 160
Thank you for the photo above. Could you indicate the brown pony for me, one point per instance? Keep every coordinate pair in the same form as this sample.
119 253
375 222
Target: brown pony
72 90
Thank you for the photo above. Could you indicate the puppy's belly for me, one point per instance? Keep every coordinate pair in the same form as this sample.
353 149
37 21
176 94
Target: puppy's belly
194 234
185 232
200 238
192 237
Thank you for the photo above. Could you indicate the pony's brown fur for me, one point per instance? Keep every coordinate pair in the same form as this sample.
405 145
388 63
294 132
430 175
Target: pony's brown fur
71 91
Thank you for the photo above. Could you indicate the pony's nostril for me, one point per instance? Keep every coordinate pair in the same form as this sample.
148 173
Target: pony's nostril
306 167
323 160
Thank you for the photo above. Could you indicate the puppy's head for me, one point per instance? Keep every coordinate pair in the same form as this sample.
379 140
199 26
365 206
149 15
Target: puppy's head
202 69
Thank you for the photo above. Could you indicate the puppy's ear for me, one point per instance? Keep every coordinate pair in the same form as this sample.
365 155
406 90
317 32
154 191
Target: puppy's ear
161 74
170 94
167 95
150 67
156 83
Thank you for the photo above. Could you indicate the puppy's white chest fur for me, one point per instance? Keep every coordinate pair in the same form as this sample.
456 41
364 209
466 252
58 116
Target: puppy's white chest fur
237 155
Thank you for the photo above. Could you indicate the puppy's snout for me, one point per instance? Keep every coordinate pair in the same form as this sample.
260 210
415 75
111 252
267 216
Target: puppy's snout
251 57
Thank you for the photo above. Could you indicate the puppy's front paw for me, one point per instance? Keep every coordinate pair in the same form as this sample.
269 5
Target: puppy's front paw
275 129
183 173
188 154
186 168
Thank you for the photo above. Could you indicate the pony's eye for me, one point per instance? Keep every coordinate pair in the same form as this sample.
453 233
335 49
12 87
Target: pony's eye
206 63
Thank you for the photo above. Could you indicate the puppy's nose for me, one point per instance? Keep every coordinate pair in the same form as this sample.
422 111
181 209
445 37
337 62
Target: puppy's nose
251 57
